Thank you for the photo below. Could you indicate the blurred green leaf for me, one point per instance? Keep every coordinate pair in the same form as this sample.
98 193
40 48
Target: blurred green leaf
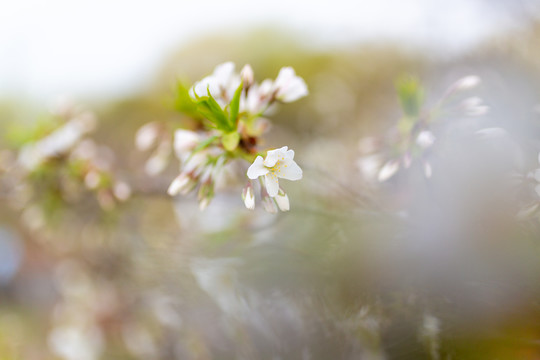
235 106
411 95
211 110
183 102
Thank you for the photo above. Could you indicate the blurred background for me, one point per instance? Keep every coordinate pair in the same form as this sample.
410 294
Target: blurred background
409 268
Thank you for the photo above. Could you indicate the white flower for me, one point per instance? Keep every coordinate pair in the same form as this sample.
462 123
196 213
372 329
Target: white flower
222 83
288 86
279 163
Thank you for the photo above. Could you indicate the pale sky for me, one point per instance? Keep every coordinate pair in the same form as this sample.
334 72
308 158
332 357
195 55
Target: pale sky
100 48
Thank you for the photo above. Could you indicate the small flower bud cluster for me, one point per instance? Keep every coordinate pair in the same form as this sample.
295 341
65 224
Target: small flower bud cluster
64 162
412 140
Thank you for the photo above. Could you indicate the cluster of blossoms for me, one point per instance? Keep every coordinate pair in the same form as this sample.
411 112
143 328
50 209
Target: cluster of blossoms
412 139
59 162
229 109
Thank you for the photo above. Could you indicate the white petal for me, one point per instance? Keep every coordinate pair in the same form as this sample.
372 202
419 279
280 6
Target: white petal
224 72
467 82
289 154
272 184
286 74
289 87
184 141
273 156
425 139
146 136
156 164
178 184
283 202
297 89
266 88
195 163
537 189
257 169
388 170
208 83
290 171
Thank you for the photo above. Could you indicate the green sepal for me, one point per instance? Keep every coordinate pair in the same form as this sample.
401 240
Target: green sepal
230 141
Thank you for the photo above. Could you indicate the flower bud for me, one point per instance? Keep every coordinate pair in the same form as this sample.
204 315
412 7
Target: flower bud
248 196
182 184
205 195
282 201
247 75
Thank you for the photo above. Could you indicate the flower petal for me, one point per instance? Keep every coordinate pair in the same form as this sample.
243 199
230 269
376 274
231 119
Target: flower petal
388 170
289 154
289 87
272 184
273 156
184 142
290 171
257 169
224 72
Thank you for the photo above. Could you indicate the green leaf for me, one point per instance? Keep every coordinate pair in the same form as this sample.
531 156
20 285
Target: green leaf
230 141
183 102
210 109
235 106
411 95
